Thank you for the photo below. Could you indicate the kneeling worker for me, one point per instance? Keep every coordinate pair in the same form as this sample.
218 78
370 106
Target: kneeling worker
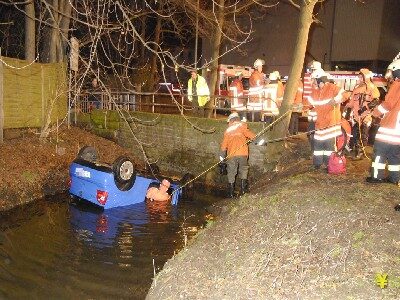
235 147
161 193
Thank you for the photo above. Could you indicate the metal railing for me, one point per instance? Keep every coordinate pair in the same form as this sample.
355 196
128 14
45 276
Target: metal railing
152 102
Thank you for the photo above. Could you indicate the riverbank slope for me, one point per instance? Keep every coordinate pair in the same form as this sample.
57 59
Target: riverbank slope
31 168
301 235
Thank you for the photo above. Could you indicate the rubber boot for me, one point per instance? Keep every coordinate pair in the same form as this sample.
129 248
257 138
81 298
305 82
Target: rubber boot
244 187
357 152
231 190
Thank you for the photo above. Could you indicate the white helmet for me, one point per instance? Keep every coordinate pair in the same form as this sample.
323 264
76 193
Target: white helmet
315 65
277 74
318 73
259 63
273 76
366 73
393 70
233 115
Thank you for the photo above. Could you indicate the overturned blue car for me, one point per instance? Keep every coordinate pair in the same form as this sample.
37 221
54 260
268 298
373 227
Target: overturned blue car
117 184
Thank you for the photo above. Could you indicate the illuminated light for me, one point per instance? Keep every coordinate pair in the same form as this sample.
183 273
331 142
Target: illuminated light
102 197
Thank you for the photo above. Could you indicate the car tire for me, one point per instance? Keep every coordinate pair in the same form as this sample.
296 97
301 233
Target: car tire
188 188
124 173
88 153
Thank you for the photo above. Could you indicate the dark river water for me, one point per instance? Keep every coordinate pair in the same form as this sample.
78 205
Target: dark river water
58 249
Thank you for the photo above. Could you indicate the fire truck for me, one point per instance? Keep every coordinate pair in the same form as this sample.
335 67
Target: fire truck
226 74
348 79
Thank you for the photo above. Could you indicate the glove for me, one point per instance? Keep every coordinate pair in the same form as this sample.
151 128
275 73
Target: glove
221 158
376 113
223 168
260 142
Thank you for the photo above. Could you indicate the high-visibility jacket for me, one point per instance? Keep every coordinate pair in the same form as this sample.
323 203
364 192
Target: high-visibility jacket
202 90
299 101
273 95
327 123
307 89
236 92
361 96
235 138
389 130
256 82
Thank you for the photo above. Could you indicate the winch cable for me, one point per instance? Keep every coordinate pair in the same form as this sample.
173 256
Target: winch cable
237 149
257 135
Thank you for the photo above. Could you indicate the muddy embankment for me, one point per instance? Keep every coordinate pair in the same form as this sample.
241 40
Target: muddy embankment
31 168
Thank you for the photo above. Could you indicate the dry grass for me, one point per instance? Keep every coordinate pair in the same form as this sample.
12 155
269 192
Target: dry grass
301 235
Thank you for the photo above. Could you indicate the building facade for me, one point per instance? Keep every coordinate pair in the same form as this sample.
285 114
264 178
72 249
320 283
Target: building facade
350 35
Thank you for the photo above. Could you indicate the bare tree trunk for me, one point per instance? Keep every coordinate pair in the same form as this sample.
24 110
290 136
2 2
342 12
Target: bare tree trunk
54 34
65 6
305 21
30 34
143 36
154 57
215 50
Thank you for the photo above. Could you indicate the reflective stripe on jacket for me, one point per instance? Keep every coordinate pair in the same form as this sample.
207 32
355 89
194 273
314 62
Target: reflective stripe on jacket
273 93
235 138
327 124
256 82
389 130
203 92
236 92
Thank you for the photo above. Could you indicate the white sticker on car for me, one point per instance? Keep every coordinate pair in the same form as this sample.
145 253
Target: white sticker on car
82 173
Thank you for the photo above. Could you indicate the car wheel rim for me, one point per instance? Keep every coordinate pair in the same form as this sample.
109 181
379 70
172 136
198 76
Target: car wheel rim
126 170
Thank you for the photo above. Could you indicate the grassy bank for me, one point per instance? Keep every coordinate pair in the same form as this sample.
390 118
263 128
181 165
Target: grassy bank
301 235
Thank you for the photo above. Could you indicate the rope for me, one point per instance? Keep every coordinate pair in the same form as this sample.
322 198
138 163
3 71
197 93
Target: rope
237 149
361 140
258 134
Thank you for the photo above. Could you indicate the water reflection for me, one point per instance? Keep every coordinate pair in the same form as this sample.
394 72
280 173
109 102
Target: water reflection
67 251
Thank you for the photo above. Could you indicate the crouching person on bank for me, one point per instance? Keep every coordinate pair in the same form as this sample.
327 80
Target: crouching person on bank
235 149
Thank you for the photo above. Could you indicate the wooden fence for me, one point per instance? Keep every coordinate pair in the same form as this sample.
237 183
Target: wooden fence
30 93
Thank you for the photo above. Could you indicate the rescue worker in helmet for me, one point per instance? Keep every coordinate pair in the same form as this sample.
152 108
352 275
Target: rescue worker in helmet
307 89
235 150
281 88
297 109
256 83
326 98
387 139
363 98
238 102
198 93
273 96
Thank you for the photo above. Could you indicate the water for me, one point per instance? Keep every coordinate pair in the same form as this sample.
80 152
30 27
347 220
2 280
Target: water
59 250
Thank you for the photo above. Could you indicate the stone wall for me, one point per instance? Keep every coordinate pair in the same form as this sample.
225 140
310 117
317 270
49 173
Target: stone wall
177 147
